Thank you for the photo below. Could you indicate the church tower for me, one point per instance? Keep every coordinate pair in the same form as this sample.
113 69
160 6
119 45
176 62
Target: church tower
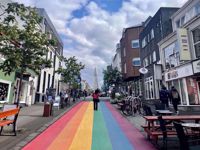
96 86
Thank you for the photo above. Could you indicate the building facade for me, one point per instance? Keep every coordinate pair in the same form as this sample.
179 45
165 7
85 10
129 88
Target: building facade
155 29
130 59
116 61
48 78
180 54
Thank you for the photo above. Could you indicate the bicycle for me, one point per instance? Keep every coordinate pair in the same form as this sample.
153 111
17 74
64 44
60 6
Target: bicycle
126 108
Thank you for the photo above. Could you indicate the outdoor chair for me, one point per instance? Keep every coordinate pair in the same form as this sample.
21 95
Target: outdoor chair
147 110
159 106
185 141
164 130
56 102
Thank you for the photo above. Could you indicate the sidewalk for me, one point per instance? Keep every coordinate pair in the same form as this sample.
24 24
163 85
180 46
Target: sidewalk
29 121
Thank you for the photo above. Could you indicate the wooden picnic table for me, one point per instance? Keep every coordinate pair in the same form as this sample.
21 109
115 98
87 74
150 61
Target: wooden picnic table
151 119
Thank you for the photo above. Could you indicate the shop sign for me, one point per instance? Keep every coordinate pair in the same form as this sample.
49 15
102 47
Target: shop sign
183 43
196 66
180 72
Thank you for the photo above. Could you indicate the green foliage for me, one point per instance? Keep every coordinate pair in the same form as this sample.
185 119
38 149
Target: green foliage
22 42
112 76
71 71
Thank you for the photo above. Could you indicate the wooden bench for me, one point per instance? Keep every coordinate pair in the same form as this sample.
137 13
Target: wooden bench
155 134
5 120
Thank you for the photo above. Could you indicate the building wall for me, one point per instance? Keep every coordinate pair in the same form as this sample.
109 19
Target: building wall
154 31
129 34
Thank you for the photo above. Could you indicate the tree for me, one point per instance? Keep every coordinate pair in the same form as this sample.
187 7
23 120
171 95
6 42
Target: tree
111 76
22 42
71 71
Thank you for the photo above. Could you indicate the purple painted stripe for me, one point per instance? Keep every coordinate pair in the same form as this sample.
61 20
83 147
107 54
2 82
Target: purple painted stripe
133 134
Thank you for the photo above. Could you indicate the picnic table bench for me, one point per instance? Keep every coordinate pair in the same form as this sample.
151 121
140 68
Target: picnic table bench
151 128
6 119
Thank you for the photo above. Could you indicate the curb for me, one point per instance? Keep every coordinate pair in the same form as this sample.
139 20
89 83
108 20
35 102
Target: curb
28 139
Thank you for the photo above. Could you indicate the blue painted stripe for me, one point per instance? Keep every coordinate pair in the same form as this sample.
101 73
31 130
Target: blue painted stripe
117 137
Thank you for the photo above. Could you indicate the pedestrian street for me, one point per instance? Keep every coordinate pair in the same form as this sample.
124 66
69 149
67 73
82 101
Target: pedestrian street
82 128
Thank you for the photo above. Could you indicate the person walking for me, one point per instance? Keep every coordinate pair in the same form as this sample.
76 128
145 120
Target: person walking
175 98
95 97
164 96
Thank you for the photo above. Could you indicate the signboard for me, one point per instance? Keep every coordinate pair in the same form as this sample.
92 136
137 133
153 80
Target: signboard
180 72
196 66
183 43
143 70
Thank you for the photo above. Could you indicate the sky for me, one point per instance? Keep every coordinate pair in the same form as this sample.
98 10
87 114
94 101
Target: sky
90 29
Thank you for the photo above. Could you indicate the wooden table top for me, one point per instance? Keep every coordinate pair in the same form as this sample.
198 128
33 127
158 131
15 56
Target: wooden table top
178 117
164 111
191 125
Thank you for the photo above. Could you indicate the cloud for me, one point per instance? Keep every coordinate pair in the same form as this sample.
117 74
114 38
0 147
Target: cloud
92 38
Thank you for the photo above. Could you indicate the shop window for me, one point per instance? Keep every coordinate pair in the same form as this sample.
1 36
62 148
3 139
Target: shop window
4 87
192 91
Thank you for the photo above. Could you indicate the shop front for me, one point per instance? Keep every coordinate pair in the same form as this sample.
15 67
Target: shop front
185 82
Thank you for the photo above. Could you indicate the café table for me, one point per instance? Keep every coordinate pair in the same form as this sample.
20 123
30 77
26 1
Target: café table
191 125
195 128
164 112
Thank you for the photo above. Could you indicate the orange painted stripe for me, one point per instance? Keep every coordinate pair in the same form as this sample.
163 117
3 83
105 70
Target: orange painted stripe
65 138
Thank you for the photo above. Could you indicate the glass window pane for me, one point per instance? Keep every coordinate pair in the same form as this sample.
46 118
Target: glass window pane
135 44
197 49
196 35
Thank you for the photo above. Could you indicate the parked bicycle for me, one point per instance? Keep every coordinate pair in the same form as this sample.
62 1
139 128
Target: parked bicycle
131 105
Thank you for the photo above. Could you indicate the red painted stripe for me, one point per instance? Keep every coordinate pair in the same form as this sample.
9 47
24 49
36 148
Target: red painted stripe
42 141
133 134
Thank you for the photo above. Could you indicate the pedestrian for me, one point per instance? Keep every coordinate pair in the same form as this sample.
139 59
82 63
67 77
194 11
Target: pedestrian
95 97
85 94
164 97
175 98
66 98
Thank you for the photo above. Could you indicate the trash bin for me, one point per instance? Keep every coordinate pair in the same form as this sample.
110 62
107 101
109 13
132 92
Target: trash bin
47 110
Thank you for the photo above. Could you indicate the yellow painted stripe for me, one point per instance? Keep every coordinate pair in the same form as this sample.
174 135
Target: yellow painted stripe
64 139
83 137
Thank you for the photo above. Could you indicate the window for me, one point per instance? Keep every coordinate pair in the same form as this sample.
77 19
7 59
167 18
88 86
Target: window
152 33
136 62
196 41
125 71
50 55
135 43
154 56
197 8
171 57
150 60
145 62
124 52
144 42
4 87
178 23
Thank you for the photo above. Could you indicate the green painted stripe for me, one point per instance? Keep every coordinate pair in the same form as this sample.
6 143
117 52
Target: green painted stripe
100 137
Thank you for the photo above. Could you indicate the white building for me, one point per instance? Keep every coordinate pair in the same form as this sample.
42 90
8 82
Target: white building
180 53
48 78
116 61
